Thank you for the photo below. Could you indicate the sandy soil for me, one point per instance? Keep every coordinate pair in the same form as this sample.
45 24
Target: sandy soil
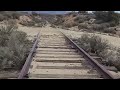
30 30
115 41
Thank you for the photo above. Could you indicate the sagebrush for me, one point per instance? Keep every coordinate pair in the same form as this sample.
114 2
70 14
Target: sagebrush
14 47
95 44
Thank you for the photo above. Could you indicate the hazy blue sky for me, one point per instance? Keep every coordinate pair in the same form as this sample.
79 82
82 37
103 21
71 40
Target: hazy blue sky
58 12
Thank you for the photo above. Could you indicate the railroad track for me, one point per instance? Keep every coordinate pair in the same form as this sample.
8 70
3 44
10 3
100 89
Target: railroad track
55 56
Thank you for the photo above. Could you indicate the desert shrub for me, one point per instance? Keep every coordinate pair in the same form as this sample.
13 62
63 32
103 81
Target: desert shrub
5 32
107 16
93 43
99 27
84 42
2 17
60 18
16 15
53 26
36 20
109 30
23 23
79 20
74 24
112 24
74 15
19 46
98 44
118 33
5 57
12 24
14 48
29 23
69 25
98 21
109 57
82 26
112 58
104 27
6 15
82 18
59 21
116 62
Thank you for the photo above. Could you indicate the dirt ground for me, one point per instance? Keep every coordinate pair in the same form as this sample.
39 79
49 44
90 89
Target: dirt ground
115 41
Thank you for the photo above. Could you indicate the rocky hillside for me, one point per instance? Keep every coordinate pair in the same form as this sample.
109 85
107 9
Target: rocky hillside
99 21
26 19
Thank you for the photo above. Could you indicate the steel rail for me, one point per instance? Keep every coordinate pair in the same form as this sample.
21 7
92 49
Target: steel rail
26 66
101 70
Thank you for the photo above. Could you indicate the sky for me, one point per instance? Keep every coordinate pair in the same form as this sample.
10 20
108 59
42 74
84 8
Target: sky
60 12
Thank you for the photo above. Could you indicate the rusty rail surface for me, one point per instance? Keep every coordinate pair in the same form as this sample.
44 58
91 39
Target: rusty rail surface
102 70
26 66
